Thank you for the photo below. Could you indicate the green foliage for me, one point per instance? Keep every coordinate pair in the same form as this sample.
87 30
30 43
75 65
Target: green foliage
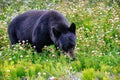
20 70
88 74
97 50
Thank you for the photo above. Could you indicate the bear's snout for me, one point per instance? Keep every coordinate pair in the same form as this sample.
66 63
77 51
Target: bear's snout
71 53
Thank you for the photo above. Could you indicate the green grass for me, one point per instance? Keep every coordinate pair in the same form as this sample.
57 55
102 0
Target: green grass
97 50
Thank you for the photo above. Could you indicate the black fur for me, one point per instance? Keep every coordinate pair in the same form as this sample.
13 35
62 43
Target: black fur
42 28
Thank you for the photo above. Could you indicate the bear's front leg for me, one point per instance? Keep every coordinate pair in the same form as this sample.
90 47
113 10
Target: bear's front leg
38 48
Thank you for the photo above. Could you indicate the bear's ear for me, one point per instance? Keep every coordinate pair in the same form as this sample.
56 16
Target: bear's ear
56 32
72 28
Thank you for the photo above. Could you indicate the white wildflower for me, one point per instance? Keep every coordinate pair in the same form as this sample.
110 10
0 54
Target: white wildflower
21 56
0 53
44 73
10 58
8 70
23 41
51 78
39 73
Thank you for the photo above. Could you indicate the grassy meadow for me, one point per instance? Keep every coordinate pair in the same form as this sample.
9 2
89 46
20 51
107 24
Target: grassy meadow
97 49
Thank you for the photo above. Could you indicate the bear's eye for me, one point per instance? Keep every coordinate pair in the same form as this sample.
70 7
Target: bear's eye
71 39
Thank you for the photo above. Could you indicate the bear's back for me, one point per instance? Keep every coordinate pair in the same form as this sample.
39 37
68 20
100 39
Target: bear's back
34 13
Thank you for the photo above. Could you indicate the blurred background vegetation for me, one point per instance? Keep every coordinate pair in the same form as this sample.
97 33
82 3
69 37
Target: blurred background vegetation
7 7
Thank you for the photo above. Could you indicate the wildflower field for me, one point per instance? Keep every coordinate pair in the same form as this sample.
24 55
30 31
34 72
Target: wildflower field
97 49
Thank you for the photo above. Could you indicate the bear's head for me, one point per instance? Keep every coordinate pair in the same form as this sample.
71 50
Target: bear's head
66 40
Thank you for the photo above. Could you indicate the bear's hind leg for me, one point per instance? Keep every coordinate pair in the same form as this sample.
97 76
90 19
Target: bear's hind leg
13 39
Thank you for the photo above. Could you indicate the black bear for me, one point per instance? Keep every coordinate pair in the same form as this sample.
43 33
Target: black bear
42 28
